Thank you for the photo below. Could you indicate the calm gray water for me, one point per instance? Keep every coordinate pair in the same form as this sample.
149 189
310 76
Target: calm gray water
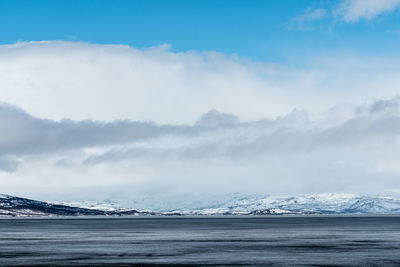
263 241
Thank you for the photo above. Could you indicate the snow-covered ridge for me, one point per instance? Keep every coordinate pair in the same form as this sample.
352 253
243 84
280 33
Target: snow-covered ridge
16 206
332 203
235 205
320 203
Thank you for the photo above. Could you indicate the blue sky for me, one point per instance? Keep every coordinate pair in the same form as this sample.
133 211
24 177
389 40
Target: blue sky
128 98
260 30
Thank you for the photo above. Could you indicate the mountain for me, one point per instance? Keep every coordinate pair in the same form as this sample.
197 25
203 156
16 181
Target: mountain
328 203
234 205
333 203
16 206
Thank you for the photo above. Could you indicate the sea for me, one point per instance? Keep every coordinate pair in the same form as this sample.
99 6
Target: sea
309 240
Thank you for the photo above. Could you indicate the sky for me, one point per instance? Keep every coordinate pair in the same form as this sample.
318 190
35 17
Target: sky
125 99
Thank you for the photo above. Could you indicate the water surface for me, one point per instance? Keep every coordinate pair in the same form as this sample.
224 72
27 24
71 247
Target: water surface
263 241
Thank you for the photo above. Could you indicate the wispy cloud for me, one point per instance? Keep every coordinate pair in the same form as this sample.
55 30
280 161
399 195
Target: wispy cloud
349 11
354 10
304 20
394 31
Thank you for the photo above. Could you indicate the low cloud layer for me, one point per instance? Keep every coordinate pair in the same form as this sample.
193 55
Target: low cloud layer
347 148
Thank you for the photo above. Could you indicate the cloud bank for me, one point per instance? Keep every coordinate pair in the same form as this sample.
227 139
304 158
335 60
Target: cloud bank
78 81
348 148
125 121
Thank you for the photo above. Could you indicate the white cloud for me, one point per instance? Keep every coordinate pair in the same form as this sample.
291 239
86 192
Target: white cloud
350 11
304 20
57 80
78 80
138 120
355 10
345 149
311 14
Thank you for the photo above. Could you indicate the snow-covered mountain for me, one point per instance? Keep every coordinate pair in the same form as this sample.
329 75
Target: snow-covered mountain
319 203
234 205
333 203
16 206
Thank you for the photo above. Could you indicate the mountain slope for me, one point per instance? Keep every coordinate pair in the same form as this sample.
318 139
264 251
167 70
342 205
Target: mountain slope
234 205
16 206
332 203
320 204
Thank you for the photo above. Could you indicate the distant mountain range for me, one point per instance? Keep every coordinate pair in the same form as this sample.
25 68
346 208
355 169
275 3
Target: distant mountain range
308 204
16 206
236 205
